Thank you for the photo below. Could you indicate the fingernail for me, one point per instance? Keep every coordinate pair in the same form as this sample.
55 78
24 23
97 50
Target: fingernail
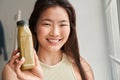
18 54
22 59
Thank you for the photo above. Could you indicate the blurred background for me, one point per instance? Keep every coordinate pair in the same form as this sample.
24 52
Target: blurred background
97 29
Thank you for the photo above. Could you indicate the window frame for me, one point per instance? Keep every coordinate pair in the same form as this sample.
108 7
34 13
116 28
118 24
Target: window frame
112 12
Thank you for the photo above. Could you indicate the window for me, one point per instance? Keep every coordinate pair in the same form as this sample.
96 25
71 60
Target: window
112 10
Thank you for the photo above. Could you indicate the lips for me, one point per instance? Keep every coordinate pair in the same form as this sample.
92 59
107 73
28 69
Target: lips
53 41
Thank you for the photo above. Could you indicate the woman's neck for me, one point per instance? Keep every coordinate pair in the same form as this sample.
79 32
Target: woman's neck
49 58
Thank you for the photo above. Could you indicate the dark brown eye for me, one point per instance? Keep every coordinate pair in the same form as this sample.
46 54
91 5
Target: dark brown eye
46 24
63 25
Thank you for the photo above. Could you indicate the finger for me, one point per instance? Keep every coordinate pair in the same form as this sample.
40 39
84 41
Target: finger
37 69
19 64
12 60
36 58
14 52
17 61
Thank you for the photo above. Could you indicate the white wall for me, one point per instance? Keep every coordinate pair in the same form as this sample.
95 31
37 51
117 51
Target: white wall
91 29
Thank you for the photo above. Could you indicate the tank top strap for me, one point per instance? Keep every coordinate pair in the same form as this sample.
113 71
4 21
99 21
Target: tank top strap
69 63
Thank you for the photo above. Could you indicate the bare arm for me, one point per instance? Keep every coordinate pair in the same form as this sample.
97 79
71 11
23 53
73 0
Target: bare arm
87 69
8 73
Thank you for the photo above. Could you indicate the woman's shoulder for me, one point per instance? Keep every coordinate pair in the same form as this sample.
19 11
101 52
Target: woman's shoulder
8 73
87 69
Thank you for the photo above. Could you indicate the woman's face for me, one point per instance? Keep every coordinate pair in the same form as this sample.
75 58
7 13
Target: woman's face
53 29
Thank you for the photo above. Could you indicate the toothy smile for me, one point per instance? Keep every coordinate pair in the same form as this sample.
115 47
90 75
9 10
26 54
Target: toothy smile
53 41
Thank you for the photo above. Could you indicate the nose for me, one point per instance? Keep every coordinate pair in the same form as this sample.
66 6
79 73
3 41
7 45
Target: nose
55 31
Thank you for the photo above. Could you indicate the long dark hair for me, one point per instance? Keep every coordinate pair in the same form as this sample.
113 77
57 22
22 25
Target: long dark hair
71 46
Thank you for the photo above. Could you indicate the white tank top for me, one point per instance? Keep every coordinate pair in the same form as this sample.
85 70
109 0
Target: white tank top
61 71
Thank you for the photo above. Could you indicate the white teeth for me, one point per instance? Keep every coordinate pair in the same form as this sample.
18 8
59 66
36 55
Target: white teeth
54 41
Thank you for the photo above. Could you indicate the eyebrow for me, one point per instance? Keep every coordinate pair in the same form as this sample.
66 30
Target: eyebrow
46 20
64 21
51 20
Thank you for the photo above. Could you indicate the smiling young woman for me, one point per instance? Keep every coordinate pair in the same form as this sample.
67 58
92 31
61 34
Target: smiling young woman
53 26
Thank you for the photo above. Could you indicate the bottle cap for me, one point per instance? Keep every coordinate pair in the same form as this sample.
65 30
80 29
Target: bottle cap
22 22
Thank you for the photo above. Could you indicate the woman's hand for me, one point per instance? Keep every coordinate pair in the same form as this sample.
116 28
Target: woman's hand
15 63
